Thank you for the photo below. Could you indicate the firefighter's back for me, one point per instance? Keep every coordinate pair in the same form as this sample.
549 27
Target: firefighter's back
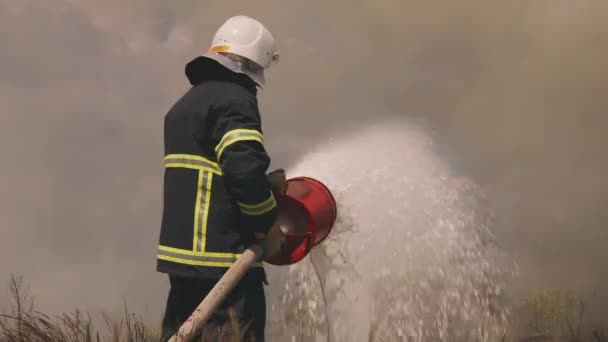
200 234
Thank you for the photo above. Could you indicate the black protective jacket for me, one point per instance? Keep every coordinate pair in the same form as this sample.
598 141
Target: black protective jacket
216 191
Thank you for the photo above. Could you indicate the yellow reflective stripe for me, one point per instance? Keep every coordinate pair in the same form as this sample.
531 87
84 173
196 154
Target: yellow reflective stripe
205 212
257 205
201 210
194 262
191 157
258 208
187 257
190 161
186 252
237 135
202 175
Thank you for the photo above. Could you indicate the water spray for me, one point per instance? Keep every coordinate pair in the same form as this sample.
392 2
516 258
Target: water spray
410 256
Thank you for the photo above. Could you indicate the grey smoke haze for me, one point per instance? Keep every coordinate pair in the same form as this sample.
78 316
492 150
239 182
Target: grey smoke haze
515 91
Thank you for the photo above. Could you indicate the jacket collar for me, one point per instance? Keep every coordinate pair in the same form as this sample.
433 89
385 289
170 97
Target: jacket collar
203 69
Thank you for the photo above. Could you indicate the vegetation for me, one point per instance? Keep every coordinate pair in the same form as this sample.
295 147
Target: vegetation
23 323
556 315
547 316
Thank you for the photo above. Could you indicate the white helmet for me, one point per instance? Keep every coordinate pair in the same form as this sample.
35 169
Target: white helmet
246 37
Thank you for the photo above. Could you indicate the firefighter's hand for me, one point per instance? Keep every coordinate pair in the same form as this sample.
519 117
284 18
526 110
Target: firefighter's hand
271 242
278 181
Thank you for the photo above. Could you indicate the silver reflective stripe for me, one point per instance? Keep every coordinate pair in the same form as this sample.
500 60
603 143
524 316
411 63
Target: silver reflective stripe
197 257
201 211
195 162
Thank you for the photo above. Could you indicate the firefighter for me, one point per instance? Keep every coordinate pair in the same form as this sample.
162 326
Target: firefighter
218 197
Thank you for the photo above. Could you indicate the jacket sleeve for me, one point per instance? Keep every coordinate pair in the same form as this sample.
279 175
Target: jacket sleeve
239 149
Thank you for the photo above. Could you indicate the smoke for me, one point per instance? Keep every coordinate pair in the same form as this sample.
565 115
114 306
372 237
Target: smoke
514 92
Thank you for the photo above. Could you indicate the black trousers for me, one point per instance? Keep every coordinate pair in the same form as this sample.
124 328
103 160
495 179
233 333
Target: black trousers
245 306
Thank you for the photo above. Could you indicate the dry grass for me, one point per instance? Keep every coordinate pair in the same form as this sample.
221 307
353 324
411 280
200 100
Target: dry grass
23 323
555 315
547 316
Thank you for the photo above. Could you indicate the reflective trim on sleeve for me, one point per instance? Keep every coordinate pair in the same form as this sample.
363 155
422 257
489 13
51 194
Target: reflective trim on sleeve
237 135
259 208
191 161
